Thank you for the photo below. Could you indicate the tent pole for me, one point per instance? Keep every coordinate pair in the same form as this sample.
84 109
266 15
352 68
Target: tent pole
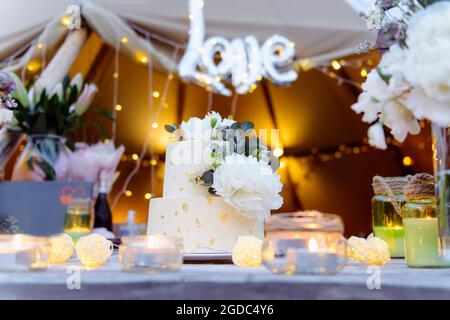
181 96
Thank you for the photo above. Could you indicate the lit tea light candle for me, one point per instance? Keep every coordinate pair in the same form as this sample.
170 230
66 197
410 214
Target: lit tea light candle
20 252
150 254
305 243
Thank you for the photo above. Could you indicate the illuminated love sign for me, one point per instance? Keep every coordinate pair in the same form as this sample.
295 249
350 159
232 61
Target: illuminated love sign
209 63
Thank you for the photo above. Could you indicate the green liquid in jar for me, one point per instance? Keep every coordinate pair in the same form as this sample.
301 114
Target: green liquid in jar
421 235
388 224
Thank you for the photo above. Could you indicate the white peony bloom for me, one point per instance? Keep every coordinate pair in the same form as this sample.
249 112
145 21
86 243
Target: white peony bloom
202 129
192 129
380 100
227 123
249 185
426 65
369 102
401 120
376 136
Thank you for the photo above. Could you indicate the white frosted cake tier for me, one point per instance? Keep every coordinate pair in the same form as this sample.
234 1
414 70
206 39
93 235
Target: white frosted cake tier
186 160
204 222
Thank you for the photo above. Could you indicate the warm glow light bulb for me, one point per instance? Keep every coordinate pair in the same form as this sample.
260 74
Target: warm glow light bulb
134 156
155 125
118 107
156 94
336 65
408 161
278 152
247 252
94 250
61 248
124 40
65 21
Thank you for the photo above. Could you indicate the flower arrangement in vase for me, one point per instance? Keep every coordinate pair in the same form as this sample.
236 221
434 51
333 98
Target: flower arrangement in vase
50 118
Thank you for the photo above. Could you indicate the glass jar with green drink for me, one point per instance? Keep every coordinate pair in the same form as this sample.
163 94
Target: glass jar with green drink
79 218
420 224
387 212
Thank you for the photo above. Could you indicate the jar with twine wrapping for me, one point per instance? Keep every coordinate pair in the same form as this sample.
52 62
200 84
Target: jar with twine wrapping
420 224
387 212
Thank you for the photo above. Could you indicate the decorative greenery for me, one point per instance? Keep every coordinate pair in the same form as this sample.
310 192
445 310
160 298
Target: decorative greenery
9 225
59 112
240 139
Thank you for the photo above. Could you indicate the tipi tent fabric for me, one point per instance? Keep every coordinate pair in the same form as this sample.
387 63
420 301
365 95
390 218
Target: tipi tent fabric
313 114
320 28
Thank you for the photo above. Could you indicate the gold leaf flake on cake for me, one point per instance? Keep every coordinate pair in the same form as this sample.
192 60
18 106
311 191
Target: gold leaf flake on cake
176 213
162 216
179 230
209 199
198 245
199 224
181 189
224 217
185 207
212 241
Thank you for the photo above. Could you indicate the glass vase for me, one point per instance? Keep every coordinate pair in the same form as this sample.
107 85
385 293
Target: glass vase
38 160
441 157
10 139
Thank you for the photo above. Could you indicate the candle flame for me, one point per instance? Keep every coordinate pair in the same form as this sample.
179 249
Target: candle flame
313 246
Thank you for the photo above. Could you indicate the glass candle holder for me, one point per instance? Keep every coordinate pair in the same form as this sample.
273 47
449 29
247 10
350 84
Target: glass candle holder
420 225
304 243
79 219
20 252
387 218
151 254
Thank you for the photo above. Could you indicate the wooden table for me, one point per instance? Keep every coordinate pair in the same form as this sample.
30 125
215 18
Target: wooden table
226 282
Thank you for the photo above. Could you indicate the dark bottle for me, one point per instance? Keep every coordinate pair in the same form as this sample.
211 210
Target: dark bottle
103 216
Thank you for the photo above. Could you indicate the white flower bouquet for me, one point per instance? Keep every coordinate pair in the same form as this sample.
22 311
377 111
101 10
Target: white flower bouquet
239 167
412 81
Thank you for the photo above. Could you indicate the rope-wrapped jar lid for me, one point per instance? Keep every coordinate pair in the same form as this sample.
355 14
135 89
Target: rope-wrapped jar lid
382 185
390 187
420 186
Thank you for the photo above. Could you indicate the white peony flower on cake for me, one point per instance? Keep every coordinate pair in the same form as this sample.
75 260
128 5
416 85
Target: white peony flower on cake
249 185
204 129
192 129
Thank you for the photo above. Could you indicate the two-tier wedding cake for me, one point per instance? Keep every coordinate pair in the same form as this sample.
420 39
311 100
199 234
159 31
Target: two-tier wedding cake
214 192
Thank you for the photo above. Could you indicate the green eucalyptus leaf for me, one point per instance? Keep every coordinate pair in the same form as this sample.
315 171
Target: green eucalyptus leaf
235 126
170 128
247 126
208 177
213 122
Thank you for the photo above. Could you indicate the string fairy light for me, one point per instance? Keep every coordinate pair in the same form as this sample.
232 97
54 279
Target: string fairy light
116 106
145 147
